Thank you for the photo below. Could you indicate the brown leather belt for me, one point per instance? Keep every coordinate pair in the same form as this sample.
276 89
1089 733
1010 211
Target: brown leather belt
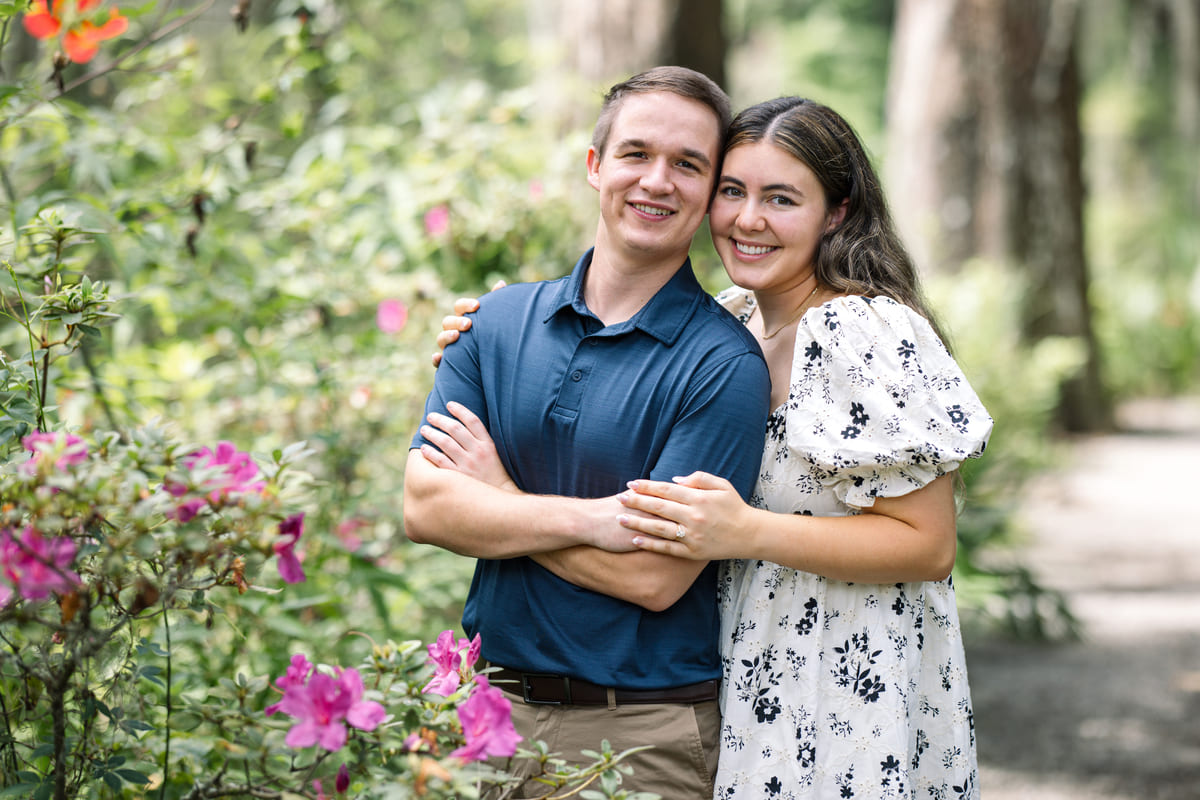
559 690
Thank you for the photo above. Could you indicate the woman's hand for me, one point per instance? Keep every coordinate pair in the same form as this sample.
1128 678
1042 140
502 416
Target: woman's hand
463 444
707 510
456 323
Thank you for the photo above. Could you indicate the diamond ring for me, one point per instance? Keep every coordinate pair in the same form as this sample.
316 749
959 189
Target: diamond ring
679 533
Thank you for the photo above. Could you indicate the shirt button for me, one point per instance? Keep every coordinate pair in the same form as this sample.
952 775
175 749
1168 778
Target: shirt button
576 375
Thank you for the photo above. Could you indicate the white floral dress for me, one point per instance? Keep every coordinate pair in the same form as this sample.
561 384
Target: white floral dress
850 690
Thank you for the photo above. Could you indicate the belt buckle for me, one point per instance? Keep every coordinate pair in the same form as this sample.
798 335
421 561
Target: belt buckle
526 677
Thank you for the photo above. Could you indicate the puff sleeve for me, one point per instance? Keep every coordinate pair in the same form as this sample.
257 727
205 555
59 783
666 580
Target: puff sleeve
877 406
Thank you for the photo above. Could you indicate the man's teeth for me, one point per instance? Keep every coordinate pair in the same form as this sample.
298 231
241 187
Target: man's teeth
658 212
753 249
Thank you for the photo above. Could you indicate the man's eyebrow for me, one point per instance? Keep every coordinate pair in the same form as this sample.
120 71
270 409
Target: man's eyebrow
640 144
696 155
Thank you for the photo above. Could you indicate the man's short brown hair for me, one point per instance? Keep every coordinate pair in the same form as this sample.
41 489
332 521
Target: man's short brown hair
676 80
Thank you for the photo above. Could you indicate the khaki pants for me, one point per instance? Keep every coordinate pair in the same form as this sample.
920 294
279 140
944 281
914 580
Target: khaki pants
681 765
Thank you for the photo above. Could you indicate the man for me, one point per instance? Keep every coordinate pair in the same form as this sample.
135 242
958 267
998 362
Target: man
624 369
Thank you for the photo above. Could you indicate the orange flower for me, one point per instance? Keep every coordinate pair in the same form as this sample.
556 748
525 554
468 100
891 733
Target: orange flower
83 38
40 23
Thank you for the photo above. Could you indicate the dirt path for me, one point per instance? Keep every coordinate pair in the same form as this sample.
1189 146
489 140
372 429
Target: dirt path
1115 716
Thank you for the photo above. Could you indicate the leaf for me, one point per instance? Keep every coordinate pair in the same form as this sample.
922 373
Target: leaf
131 725
18 790
112 780
133 776
185 721
41 751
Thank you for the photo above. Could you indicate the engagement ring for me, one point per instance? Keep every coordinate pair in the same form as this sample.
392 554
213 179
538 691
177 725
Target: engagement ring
679 533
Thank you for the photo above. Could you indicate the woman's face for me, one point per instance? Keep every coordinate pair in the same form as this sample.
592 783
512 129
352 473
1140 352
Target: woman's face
767 217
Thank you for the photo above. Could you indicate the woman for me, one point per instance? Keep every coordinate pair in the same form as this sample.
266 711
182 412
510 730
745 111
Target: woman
844 667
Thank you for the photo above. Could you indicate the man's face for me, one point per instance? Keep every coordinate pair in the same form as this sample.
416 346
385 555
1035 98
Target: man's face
655 177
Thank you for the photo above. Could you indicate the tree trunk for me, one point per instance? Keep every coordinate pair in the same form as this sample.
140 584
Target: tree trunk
1185 48
587 46
696 37
986 151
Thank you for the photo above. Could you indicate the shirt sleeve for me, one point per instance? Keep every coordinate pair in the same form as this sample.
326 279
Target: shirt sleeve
877 406
721 426
458 378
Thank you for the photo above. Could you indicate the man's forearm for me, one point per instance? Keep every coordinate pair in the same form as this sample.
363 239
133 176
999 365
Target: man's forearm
448 509
653 581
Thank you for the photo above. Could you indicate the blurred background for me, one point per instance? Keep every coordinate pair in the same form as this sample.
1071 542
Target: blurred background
286 196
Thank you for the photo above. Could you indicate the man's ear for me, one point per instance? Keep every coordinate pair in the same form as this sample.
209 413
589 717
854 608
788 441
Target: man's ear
837 216
593 168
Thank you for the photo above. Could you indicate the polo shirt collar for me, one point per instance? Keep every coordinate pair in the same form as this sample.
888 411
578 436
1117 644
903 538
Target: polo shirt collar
664 317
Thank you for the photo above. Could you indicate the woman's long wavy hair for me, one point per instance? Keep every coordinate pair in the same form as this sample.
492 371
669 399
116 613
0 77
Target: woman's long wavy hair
863 255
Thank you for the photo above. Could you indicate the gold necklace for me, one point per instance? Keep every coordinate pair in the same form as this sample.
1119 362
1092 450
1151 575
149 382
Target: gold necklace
799 313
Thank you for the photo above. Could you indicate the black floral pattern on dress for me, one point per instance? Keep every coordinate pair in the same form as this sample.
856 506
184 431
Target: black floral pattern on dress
854 667
808 622
758 686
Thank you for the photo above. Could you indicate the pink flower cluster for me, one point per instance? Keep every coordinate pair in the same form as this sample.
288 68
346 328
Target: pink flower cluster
230 473
486 719
33 566
437 220
324 705
391 316
290 531
53 452
453 663
486 715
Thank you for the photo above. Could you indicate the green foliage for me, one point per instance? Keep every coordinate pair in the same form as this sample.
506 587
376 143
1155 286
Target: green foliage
1145 248
249 220
110 600
1018 384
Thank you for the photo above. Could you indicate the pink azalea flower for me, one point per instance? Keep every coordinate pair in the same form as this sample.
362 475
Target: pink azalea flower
437 220
290 531
64 448
486 719
324 705
232 472
34 566
347 532
297 672
452 661
390 316
188 509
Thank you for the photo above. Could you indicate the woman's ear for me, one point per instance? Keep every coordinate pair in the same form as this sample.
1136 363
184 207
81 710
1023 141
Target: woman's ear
837 215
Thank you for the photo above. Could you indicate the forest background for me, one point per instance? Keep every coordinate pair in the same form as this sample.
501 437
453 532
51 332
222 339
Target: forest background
243 221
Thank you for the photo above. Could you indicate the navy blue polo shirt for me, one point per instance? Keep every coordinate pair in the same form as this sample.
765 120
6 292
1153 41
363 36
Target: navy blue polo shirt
578 409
